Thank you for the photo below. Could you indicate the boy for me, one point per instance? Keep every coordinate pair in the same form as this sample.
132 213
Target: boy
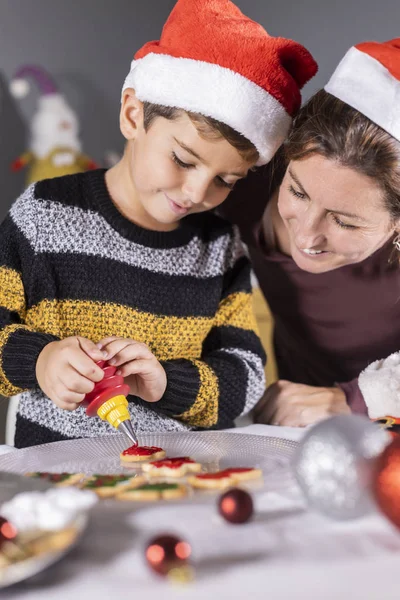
127 265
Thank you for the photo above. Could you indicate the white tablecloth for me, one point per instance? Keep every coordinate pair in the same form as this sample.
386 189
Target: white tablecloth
286 552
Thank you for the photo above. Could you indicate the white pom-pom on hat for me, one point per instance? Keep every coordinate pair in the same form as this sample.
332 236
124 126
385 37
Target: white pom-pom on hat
19 87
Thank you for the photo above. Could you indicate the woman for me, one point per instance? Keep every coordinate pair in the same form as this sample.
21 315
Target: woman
320 223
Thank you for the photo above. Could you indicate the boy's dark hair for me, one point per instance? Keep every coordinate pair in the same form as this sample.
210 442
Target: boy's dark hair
207 127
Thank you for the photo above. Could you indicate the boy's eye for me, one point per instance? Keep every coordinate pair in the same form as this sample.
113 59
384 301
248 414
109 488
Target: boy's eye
221 182
180 162
296 193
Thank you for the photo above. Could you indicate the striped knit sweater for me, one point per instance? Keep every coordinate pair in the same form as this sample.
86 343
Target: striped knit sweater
72 264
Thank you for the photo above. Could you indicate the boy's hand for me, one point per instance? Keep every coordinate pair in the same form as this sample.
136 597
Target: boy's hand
66 370
138 365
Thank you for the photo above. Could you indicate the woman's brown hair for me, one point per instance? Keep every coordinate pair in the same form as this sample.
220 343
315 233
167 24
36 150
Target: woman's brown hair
329 127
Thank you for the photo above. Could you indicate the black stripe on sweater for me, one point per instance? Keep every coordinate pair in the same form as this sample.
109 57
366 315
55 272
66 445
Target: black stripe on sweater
78 277
28 433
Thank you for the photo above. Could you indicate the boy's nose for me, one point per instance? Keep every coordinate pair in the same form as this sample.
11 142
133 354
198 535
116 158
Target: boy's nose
195 193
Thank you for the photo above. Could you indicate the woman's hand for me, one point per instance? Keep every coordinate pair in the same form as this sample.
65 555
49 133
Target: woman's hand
298 405
138 366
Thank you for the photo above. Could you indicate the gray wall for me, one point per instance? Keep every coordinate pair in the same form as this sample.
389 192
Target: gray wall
87 46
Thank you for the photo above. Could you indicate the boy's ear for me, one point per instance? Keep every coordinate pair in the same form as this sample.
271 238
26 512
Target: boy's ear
131 114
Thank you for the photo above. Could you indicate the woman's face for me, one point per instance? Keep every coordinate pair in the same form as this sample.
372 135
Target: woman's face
333 215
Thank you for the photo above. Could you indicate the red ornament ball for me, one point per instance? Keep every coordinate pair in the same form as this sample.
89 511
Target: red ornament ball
165 553
387 481
7 531
236 506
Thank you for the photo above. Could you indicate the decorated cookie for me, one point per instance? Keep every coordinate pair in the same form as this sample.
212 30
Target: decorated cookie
107 486
172 467
151 492
211 481
141 453
59 479
225 478
244 473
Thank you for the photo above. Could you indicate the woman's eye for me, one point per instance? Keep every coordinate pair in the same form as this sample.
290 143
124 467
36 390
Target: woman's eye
296 193
341 224
221 182
180 162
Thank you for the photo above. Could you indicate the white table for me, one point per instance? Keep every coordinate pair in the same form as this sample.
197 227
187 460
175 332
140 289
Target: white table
285 553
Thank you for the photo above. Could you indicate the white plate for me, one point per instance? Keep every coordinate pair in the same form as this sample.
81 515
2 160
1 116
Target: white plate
24 569
214 449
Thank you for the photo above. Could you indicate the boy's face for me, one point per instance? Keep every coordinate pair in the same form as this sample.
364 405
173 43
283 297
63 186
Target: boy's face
174 172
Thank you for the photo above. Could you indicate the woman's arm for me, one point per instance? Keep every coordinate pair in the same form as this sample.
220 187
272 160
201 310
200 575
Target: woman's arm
354 398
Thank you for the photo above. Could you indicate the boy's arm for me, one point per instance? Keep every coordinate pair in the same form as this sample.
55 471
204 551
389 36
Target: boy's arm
20 345
229 378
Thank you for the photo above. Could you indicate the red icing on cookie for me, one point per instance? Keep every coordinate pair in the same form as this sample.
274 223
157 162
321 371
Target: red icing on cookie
141 451
224 473
237 470
172 463
220 475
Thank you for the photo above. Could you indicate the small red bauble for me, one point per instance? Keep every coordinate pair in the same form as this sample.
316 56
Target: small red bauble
7 531
387 481
165 553
236 506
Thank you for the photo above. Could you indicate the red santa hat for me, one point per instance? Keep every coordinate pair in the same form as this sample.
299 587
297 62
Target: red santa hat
213 60
368 79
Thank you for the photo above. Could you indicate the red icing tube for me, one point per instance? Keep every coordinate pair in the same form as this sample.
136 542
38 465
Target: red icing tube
110 386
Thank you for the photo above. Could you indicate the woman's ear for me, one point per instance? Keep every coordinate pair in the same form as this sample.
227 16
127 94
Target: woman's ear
131 114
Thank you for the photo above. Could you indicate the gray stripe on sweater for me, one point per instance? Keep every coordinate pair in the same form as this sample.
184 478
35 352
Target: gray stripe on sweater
38 408
54 227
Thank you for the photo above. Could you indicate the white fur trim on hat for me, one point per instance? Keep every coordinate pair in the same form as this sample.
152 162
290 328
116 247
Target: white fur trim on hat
365 84
379 384
212 91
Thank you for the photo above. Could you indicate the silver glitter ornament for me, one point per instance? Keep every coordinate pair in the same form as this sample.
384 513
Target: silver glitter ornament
334 465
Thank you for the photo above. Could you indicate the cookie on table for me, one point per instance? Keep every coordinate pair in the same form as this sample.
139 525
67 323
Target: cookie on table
59 479
107 486
244 473
225 478
211 481
141 453
178 466
152 492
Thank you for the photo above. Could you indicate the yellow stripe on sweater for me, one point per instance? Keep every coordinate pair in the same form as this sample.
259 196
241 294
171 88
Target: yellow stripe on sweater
204 411
237 310
168 337
12 295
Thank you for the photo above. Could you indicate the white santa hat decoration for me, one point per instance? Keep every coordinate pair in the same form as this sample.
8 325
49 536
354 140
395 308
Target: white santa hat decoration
53 111
213 60
368 79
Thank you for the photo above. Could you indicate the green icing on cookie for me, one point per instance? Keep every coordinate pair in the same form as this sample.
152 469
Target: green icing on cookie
156 487
52 477
106 480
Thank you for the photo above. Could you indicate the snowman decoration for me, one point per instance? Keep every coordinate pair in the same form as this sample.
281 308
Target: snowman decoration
55 149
